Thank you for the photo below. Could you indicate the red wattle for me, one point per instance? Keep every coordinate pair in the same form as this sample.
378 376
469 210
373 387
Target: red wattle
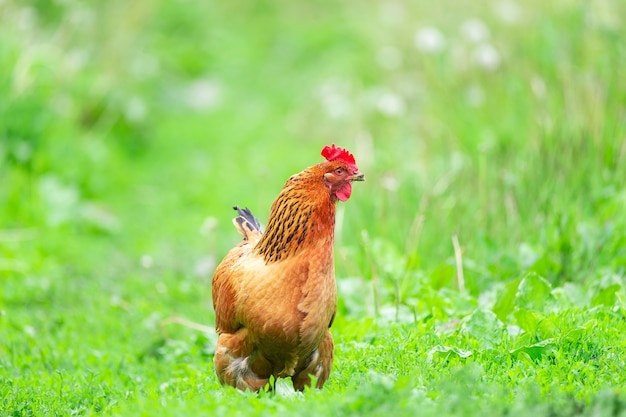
343 194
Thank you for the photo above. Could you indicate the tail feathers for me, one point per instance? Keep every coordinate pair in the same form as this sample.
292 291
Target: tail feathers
247 225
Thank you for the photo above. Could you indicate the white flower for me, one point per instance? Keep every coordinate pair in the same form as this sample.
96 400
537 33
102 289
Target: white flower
333 98
336 105
203 94
135 109
508 11
146 261
487 56
392 12
390 182
391 104
429 39
475 30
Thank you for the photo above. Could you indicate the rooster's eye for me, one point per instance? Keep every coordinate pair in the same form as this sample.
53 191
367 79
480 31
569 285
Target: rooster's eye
339 171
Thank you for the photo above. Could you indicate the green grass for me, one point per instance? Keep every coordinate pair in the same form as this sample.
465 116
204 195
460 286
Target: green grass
128 131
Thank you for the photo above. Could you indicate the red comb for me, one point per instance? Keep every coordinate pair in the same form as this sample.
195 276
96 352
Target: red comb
336 153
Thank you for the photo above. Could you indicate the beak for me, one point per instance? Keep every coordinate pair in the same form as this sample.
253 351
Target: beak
357 177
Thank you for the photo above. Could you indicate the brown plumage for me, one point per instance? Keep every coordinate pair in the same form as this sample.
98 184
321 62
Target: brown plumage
275 294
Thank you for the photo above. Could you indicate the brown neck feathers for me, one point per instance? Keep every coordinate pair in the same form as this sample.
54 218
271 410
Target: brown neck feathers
302 216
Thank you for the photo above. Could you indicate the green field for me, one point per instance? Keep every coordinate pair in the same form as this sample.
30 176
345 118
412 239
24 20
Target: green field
481 267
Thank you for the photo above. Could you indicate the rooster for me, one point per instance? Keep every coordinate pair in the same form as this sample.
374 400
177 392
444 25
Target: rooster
274 294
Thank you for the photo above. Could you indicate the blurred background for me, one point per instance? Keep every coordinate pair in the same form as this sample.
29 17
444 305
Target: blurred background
128 130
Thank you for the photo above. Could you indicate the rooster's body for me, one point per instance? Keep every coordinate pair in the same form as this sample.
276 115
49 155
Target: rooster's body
274 294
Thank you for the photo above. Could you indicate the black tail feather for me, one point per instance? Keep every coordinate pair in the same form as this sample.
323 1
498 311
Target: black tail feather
246 216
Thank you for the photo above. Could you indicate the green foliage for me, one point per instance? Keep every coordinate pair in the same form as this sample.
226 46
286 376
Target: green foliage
128 130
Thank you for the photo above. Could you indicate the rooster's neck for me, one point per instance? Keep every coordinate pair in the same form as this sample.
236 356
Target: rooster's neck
300 218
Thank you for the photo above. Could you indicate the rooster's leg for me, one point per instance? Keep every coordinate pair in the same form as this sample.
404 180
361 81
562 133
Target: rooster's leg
318 364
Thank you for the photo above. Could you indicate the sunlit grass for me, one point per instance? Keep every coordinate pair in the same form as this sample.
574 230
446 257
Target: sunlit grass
127 133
